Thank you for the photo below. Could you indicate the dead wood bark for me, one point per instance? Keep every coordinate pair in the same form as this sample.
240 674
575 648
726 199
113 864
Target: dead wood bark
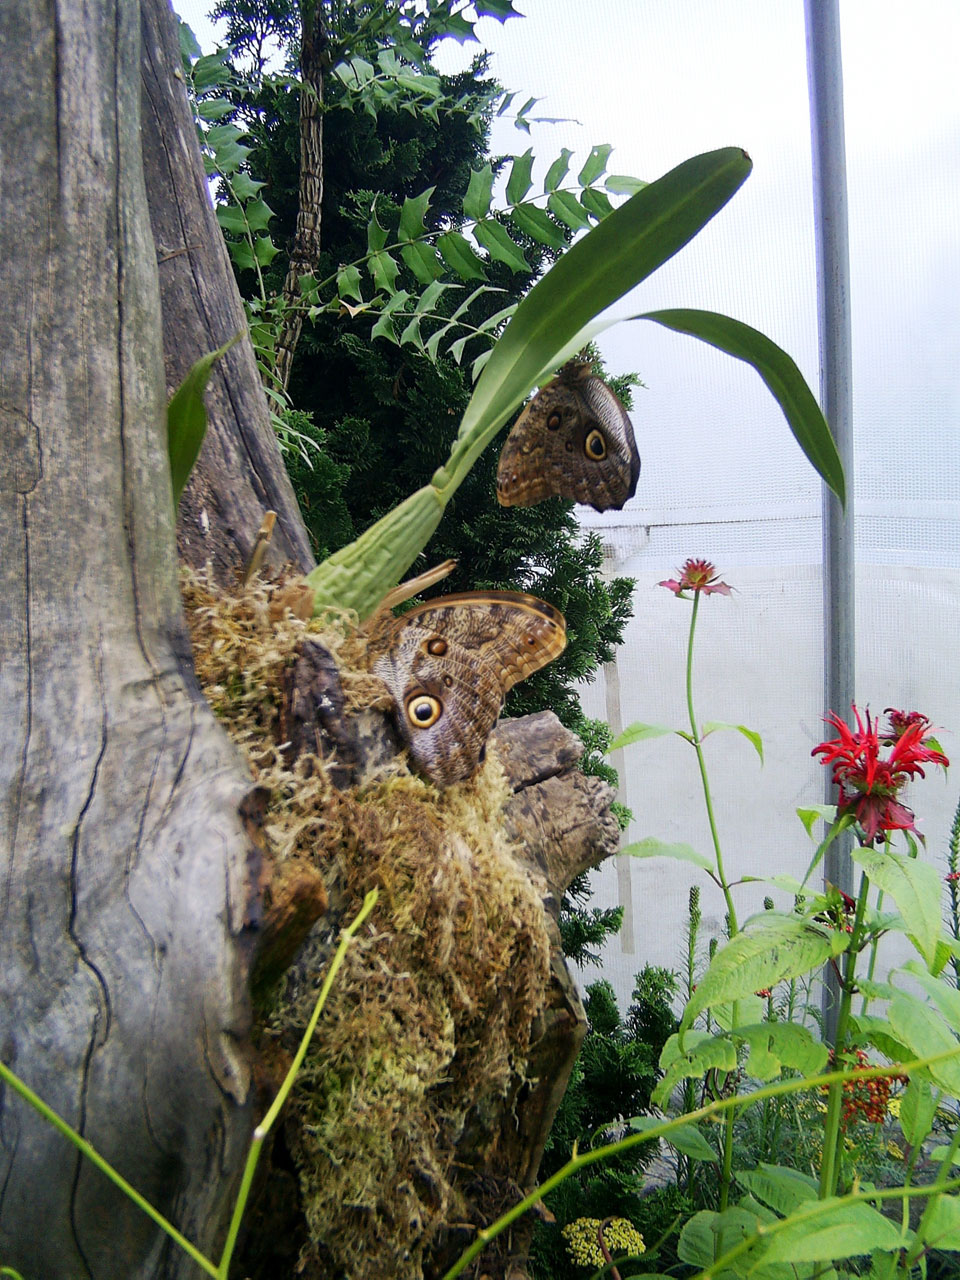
240 473
127 874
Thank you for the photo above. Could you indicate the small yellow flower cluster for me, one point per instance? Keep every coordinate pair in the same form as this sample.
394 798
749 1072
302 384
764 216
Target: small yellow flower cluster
620 1234
893 1107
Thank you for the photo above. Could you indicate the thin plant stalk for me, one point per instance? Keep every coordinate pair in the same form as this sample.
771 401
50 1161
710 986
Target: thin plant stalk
218 1271
268 1121
829 1170
698 747
726 1176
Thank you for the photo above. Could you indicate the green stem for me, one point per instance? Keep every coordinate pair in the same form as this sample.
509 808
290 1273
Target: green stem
875 940
697 746
831 1140
268 1121
726 1175
82 1145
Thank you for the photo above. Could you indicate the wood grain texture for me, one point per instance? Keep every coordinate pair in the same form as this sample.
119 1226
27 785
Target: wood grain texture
127 881
239 474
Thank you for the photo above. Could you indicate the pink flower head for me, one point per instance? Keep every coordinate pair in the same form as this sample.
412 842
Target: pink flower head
869 785
696 576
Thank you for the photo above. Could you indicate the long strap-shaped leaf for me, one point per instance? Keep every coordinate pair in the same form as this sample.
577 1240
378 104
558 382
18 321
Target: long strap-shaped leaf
600 268
778 371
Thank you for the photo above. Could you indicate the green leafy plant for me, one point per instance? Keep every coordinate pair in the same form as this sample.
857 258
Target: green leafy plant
549 326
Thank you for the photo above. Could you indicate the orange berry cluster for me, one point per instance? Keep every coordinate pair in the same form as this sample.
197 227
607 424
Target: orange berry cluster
867 1099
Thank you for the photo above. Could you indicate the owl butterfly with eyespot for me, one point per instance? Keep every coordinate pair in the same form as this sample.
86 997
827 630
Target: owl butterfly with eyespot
449 664
574 440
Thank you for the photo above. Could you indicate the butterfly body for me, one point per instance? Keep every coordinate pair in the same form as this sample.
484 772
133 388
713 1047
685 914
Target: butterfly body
574 440
449 664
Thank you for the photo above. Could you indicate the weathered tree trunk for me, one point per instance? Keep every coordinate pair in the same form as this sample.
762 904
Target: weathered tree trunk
125 867
239 474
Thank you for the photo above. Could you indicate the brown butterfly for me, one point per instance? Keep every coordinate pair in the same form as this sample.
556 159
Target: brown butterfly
449 664
573 440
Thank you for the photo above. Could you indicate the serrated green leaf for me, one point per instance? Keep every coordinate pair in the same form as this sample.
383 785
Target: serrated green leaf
241 254
384 329
187 419
476 203
497 318
708 1235
699 1053
505 102
498 244
189 45
229 157
638 732
786 1043
751 735
469 300
650 847
566 207
816 813
384 270
621 184
348 283
432 294
838 1230
499 9
557 171
376 234
596 203
778 1187
432 345
879 1033
458 254
210 72
915 888
412 214
214 109
456 348
926 1034
918 1106
258 214
477 367
520 180
265 250
780 374
945 996
941 1230
537 225
421 258
411 335
596 165
231 219
244 187
223 134
770 948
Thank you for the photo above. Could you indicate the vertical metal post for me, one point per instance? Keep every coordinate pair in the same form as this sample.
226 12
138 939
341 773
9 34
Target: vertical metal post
825 80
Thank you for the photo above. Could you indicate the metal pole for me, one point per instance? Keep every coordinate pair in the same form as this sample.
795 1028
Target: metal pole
825 79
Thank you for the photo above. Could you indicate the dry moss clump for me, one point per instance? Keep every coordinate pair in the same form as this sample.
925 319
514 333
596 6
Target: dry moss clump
428 1026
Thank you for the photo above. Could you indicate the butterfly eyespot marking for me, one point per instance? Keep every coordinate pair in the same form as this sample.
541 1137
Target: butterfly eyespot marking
423 710
448 681
553 422
595 446
437 646
569 446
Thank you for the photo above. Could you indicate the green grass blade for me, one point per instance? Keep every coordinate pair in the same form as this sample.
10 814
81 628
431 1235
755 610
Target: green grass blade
778 371
187 419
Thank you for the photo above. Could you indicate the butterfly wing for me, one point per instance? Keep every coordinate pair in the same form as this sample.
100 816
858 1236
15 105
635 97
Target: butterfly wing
574 440
448 665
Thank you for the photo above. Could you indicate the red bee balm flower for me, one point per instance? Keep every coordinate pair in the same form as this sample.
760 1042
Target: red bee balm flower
870 786
696 575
